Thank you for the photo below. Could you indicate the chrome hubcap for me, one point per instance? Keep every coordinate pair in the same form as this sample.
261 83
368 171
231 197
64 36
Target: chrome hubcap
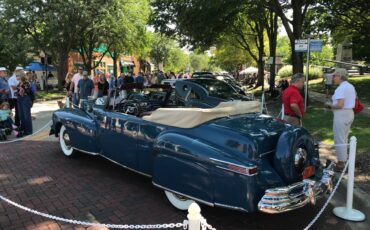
66 140
300 158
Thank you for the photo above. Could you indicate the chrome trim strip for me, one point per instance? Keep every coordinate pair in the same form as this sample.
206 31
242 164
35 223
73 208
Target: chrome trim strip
231 207
227 169
227 162
266 153
90 153
182 194
144 174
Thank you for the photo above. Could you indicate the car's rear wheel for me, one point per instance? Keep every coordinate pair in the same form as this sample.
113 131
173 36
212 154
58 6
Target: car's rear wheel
65 142
180 202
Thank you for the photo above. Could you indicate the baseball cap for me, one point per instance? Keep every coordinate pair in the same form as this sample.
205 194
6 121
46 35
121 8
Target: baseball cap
19 68
2 69
85 73
80 68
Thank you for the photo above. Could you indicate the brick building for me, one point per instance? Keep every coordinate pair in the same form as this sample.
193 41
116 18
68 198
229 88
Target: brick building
125 63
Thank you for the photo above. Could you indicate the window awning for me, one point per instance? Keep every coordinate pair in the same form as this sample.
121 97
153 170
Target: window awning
127 63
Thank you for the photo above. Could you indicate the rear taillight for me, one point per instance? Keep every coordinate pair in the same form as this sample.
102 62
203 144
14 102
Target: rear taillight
249 171
236 168
308 172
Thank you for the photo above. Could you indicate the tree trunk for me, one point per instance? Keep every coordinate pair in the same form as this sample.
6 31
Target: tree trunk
62 67
273 44
115 57
260 63
297 60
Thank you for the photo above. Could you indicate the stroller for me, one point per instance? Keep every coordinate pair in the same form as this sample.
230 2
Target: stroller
4 131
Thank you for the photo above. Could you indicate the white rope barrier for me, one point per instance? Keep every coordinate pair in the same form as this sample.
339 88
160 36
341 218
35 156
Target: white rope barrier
195 220
28 136
328 200
86 223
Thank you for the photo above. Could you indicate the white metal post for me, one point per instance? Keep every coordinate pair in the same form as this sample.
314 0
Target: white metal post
348 213
194 216
307 71
282 112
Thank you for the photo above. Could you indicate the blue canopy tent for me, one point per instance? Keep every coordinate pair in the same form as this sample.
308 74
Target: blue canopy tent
38 66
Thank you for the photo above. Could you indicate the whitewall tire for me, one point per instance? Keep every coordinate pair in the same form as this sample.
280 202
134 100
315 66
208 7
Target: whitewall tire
64 141
180 202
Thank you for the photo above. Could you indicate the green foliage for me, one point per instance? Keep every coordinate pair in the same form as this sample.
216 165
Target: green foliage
177 61
199 62
287 71
283 49
14 46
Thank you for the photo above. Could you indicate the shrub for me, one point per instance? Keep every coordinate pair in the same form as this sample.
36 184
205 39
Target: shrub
287 71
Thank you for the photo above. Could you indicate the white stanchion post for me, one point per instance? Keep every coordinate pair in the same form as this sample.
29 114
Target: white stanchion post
348 213
194 216
282 112
67 102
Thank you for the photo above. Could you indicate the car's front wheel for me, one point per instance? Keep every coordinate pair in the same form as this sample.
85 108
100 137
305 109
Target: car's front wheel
65 142
180 202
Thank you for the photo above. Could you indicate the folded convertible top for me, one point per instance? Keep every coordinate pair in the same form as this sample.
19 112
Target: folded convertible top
192 117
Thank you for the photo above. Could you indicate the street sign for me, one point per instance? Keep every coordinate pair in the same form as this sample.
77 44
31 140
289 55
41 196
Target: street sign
316 46
302 45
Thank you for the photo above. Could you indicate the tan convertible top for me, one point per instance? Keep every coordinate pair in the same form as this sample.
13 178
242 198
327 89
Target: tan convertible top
191 117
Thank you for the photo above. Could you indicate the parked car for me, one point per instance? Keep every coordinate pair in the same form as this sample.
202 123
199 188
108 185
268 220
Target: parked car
229 156
206 92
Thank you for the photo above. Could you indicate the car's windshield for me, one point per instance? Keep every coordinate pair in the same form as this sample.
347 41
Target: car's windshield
217 88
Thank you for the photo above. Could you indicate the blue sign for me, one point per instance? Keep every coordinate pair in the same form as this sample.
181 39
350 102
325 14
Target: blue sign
315 45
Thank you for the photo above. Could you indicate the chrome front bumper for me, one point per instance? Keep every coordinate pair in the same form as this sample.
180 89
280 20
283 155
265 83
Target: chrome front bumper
284 199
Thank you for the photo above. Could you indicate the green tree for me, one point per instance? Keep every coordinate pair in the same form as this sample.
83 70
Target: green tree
200 24
199 62
54 26
14 46
230 57
160 48
177 60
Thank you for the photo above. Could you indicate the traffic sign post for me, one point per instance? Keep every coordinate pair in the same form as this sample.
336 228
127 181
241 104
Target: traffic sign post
307 46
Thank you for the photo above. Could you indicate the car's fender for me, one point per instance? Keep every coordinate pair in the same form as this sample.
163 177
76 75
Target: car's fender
182 164
80 126
286 148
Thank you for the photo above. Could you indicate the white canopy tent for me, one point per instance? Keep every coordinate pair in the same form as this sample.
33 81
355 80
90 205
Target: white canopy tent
249 70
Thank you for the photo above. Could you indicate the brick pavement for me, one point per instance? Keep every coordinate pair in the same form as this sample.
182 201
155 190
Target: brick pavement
37 175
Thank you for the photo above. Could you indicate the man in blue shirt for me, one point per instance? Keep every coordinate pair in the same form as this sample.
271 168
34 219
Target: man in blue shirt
139 78
4 86
85 87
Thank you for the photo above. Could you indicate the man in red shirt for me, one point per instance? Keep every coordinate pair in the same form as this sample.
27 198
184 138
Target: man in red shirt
293 101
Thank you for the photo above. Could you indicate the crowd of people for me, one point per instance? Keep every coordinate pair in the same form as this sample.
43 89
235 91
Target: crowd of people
17 93
80 85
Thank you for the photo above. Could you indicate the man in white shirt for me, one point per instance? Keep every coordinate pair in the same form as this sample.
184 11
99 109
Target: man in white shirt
13 83
343 102
73 90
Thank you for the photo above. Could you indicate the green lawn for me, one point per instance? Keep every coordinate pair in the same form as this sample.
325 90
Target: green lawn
319 121
49 94
361 83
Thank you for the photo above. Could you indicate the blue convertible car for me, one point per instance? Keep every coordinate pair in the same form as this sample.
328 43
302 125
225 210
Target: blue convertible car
229 155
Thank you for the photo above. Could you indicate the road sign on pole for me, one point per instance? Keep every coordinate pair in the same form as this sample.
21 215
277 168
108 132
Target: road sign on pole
301 45
315 45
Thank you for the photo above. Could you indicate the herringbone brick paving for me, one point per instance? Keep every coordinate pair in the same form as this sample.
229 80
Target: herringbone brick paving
37 175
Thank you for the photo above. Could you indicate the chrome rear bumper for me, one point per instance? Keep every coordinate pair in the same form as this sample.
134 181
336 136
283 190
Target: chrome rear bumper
287 198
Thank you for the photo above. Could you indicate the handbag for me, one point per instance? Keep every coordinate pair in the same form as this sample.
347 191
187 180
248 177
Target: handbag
358 106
